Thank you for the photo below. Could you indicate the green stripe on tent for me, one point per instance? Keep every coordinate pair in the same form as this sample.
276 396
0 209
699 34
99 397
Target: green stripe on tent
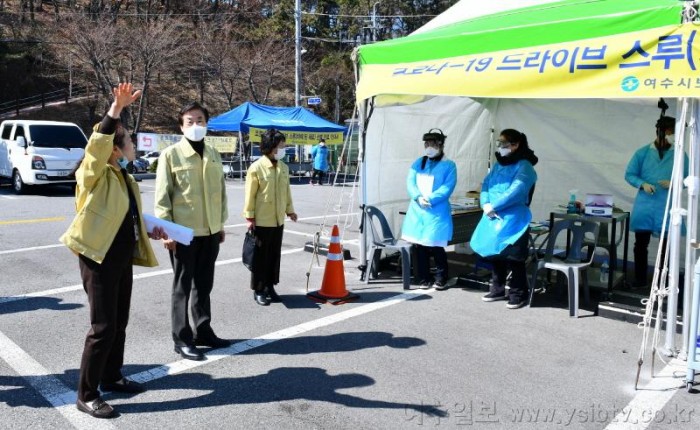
563 21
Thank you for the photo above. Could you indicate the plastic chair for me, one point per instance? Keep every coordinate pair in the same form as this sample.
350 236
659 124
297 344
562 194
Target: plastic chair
584 236
384 239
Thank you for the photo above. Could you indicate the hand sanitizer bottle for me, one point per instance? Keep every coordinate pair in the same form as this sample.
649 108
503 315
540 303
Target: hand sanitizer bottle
604 272
571 206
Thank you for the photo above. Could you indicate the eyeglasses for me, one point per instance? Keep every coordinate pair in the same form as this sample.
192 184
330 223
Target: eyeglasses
502 143
431 143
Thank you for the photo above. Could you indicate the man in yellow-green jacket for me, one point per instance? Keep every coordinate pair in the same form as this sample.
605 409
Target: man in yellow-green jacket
190 191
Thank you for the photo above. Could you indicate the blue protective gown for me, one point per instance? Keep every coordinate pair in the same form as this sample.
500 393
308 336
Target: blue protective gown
507 188
647 166
431 226
320 156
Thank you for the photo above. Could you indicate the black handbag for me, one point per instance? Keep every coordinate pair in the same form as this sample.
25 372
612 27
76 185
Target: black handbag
248 253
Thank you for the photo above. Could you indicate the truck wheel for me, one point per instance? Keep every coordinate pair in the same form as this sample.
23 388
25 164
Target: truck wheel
17 183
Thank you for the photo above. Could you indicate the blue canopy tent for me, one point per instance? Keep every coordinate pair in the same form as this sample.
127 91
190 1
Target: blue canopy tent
296 119
301 126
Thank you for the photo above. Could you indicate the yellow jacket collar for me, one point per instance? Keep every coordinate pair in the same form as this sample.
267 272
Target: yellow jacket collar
187 148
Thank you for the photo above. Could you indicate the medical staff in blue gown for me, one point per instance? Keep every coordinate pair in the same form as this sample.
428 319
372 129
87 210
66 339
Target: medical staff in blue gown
502 234
649 171
428 222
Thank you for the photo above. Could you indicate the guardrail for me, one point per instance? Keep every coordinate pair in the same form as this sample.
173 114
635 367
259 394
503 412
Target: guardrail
41 100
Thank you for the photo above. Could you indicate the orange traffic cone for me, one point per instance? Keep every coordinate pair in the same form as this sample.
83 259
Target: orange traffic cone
333 286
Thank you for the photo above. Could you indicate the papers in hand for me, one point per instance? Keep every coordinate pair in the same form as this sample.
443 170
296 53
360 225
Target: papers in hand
176 232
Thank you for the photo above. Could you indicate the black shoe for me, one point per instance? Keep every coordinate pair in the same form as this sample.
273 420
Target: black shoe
189 352
424 285
97 408
123 386
515 303
212 341
260 298
272 295
492 297
440 285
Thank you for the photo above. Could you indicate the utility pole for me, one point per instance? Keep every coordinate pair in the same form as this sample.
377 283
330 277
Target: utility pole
297 53
374 21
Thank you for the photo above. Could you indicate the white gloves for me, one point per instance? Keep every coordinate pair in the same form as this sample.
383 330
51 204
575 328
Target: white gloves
648 188
423 202
488 209
664 183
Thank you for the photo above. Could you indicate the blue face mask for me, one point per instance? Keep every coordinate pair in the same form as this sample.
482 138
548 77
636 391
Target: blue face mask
123 162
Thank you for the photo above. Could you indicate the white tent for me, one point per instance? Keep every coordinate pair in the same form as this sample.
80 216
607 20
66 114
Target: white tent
584 125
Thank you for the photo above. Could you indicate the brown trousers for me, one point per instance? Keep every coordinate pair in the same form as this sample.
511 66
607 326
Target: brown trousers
108 286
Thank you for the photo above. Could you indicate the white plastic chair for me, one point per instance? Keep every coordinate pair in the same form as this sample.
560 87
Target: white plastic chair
584 236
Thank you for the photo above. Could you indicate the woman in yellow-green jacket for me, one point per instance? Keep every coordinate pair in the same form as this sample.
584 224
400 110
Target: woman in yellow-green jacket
268 199
109 236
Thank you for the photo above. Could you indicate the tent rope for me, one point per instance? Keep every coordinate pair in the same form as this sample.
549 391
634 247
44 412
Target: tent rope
334 203
659 288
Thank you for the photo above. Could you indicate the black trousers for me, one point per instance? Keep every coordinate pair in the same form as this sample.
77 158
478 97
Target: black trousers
108 287
193 265
320 173
423 254
268 254
641 256
511 259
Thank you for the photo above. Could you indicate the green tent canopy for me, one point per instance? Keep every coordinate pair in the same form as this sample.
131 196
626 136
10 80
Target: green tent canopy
563 49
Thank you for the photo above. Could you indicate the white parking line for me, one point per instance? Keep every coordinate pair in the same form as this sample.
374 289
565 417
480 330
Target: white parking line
50 387
33 248
300 219
70 288
63 399
642 410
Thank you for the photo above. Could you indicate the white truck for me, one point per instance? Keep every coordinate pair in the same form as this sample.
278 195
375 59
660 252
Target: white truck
40 152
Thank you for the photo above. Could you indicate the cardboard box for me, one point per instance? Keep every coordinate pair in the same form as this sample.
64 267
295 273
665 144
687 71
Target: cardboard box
599 205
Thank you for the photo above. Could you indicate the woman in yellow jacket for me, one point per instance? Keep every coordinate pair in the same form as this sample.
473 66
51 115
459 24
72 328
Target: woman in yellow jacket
268 198
108 234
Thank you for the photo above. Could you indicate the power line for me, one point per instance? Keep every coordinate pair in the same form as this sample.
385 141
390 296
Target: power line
367 16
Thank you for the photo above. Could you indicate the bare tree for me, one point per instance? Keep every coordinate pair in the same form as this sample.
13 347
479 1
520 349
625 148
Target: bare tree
154 46
91 46
221 47
269 67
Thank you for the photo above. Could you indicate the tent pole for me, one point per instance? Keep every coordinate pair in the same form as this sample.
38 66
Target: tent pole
674 236
692 183
240 153
362 117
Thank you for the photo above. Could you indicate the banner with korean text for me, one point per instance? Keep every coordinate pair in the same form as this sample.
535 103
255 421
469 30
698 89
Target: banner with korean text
651 63
301 137
157 142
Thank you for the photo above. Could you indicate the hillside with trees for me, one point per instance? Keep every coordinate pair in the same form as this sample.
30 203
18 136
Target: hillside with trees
219 52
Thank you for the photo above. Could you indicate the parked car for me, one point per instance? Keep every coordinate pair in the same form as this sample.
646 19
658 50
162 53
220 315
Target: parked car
40 152
139 165
151 157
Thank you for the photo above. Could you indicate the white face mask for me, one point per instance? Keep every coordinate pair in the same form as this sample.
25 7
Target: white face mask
281 152
431 152
671 139
195 133
504 151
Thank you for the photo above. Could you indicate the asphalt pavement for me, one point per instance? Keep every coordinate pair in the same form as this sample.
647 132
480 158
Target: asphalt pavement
394 359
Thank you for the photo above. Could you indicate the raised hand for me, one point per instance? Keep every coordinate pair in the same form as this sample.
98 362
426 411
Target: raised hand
124 94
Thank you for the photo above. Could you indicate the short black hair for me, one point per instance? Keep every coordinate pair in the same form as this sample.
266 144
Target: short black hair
192 106
270 140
